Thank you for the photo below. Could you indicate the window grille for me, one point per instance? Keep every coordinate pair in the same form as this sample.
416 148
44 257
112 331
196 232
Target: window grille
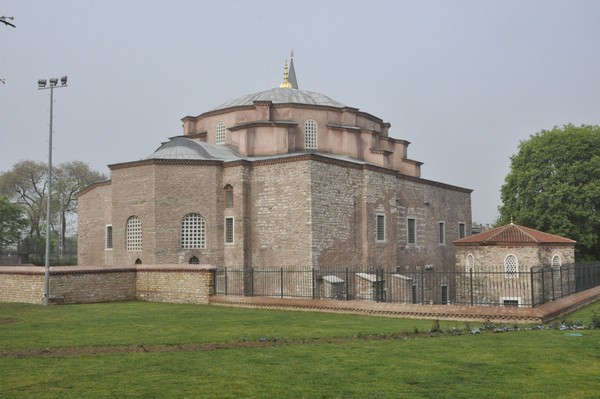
193 232
511 266
220 133
229 230
412 231
380 227
310 134
442 232
556 262
109 237
134 234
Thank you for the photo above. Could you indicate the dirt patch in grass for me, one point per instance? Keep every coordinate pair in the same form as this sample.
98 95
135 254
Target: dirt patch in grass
8 321
141 348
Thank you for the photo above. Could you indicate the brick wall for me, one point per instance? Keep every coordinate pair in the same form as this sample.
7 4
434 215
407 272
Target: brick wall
157 283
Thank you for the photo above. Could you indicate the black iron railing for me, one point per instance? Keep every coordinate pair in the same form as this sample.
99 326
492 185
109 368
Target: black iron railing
525 288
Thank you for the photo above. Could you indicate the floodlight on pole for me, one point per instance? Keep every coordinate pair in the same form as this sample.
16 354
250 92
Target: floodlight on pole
41 86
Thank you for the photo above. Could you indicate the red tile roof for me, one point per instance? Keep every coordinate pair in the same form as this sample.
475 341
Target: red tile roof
513 234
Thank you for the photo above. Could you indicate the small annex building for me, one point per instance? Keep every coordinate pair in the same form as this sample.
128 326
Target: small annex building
498 263
284 178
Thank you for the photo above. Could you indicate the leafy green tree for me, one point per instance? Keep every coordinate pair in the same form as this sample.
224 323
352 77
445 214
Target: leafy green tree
554 186
12 222
69 178
26 184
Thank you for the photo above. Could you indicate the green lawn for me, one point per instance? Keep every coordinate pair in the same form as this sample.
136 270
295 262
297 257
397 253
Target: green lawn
151 350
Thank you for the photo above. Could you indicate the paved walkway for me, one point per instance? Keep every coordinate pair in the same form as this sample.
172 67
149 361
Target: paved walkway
496 314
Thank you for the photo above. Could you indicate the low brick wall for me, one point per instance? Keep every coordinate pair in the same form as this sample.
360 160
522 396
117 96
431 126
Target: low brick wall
156 283
174 284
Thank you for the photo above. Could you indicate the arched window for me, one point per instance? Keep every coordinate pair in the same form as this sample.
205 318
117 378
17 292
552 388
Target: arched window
220 133
228 196
133 234
511 266
194 260
138 261
470 263
310 134
193 233
556 263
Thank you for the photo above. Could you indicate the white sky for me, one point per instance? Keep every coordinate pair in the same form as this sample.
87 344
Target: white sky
463 81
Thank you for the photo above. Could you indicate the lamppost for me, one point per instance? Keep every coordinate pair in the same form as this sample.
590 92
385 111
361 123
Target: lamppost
42 86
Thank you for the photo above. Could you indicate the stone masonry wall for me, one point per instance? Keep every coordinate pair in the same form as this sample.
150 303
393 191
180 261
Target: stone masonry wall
280 215
157 283
94 210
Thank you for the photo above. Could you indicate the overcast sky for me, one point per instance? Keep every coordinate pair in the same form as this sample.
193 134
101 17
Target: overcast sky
463 81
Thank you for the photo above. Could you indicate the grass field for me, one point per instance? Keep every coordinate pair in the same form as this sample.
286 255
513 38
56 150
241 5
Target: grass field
152 350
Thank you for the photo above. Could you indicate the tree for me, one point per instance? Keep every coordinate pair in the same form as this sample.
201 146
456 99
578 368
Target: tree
554 186
69 178
12 222
26 184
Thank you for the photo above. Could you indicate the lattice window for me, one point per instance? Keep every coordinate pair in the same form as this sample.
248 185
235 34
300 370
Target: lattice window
310 134
411 231
194 260
470 263
134 234
442 232
556 263
109 237
193 234
380 229
220 133
511 266
228 230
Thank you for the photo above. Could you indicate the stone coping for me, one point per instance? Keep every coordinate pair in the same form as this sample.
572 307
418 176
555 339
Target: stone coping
54 270
496 314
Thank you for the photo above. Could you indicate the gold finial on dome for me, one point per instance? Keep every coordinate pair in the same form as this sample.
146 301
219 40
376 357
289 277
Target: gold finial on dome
285 84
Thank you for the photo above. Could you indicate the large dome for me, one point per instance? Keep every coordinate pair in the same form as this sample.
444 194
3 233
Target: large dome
283 96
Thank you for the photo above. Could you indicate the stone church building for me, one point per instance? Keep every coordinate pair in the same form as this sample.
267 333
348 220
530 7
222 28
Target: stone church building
280 178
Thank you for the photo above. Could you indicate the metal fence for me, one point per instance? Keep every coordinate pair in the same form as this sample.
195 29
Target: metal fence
530 288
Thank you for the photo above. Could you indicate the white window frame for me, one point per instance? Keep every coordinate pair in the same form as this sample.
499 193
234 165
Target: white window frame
220 133
442 232
470 264
193 232
414 240
232 241
133 234
554 265
310 134
108 238
462 228
511 273
510 298
380 227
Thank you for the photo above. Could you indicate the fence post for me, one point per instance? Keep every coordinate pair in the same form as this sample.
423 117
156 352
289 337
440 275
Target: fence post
314 284
226 276
347 285
252 281
552 282
543 287
471 284
422 286
532 288
281 282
